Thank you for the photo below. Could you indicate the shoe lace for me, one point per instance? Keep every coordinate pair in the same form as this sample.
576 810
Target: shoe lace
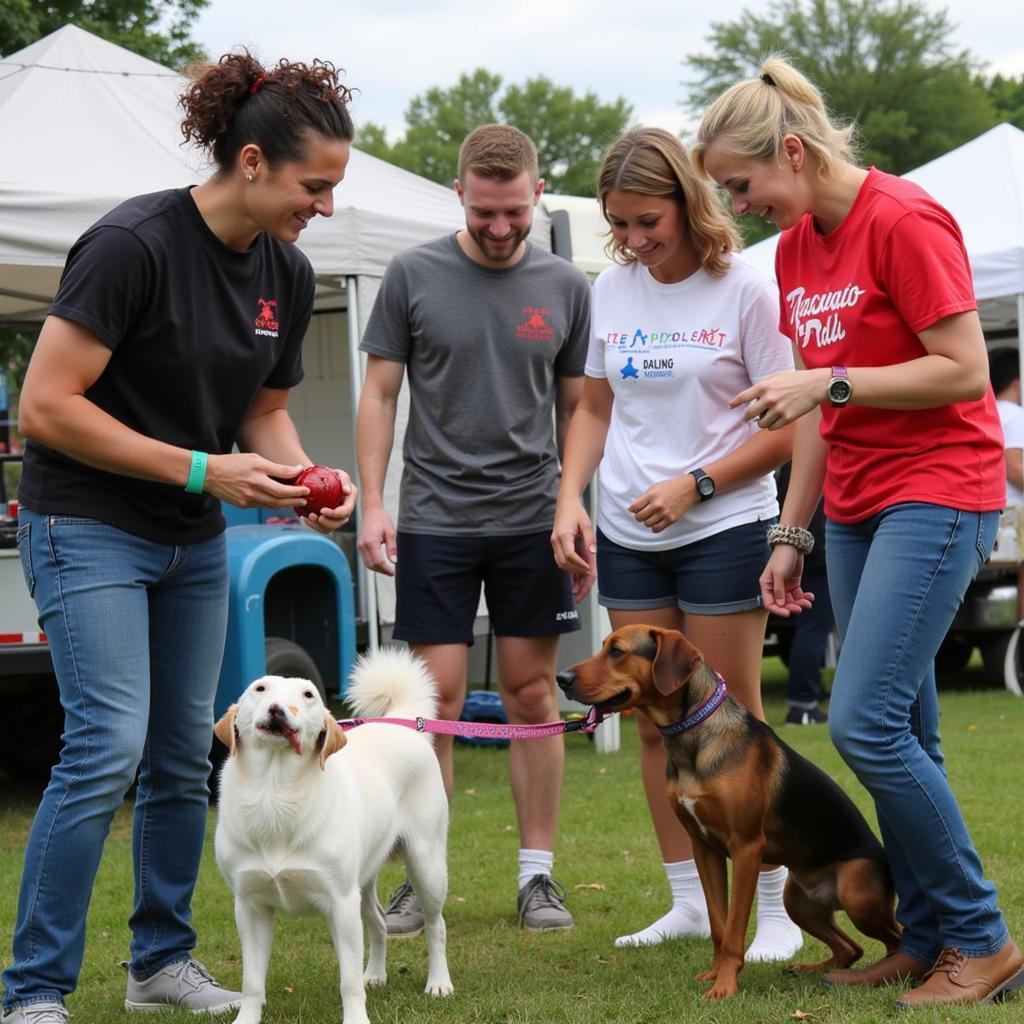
543 891
401 899
192 972
949 962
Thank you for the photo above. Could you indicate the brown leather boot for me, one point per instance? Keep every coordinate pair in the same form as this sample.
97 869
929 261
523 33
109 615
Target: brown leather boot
958 980
893 969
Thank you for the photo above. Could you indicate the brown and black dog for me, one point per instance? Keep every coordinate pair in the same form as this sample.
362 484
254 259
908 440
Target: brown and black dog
740 792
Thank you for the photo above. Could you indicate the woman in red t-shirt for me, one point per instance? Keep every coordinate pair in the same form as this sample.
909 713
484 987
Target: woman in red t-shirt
897 425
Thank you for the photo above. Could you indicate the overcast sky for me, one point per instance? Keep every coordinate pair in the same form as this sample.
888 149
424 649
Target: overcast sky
393 50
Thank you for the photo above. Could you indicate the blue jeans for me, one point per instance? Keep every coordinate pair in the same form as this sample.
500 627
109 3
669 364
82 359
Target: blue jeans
897 580
136 632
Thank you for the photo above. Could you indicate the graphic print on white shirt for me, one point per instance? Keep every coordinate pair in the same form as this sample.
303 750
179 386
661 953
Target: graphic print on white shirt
674 355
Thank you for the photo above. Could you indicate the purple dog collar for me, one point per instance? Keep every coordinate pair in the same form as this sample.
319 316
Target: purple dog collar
694 718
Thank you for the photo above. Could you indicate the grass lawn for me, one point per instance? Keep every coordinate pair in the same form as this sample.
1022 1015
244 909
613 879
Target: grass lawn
608 861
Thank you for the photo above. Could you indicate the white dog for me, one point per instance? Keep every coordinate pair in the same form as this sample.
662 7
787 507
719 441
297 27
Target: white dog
308 814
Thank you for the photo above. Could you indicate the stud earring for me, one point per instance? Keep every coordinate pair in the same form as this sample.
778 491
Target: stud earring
248 178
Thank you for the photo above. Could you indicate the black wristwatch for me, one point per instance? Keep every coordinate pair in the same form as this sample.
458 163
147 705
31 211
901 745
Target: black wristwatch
705 485
839 389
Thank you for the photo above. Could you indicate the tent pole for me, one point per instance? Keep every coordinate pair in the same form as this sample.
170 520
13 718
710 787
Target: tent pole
366 588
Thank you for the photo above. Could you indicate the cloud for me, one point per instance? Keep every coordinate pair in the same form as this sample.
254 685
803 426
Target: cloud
394 50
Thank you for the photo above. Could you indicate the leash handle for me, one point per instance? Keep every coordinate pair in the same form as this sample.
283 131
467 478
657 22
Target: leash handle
487 730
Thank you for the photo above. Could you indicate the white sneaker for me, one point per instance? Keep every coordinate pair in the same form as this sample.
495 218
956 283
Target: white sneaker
37 1013
404 916
185 983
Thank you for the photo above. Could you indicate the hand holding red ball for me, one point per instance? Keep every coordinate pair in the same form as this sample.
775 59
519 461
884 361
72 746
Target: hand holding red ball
325 490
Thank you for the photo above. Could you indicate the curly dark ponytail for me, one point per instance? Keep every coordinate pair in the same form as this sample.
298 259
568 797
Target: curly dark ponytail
237 101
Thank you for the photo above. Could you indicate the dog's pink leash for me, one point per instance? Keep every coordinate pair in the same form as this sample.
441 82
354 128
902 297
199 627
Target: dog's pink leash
487 730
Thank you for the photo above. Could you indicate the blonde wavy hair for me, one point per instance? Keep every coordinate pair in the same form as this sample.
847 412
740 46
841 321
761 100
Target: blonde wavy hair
653 162
756 115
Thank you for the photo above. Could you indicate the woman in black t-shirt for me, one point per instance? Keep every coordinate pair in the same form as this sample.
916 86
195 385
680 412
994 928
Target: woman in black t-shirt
175 334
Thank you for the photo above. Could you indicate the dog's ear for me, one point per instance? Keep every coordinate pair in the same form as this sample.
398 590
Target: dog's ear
224 730
677 659
331 740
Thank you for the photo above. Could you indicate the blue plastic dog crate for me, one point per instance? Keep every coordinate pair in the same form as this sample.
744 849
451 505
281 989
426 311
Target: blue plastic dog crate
482 706
263 555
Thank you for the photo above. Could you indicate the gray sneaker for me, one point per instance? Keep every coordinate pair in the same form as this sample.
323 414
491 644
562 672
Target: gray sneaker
185 983
404 914
542 905
37 1013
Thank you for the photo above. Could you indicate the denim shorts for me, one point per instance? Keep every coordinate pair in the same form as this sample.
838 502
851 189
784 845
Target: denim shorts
715 576
438 579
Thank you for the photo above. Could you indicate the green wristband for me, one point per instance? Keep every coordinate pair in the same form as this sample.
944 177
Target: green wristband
197 473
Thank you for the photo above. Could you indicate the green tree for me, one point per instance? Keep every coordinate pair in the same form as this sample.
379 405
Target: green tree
15 348
157 29
17 25
372 138
571 132
890 65
1007 96
436 124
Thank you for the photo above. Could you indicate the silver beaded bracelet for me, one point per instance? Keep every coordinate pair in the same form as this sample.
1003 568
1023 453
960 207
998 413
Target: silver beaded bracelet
795 536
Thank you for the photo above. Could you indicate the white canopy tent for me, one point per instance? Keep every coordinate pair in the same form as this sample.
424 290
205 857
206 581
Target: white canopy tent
87 124
982 184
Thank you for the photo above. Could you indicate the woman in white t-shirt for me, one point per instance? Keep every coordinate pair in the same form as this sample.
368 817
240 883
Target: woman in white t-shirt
1004 372
686 493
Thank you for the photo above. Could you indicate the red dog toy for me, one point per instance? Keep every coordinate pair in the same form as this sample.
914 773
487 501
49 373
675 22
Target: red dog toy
324 489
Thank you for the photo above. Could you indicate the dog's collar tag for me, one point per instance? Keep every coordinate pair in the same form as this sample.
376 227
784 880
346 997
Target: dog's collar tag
708 708
420 724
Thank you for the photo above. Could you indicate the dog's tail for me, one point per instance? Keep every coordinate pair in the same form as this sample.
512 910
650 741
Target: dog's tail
392 681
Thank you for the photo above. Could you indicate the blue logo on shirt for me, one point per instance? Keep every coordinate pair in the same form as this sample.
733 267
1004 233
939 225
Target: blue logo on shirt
629 370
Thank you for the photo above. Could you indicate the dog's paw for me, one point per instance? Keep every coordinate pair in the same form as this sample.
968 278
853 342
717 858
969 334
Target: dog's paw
439 989
376 979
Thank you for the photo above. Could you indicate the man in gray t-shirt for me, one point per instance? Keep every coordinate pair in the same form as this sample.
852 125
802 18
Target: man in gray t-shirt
493 333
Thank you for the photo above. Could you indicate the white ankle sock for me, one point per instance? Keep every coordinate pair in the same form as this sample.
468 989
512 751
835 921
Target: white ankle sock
534 862
777 937
688 917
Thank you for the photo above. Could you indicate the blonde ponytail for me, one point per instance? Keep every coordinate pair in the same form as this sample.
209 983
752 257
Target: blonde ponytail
755 115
